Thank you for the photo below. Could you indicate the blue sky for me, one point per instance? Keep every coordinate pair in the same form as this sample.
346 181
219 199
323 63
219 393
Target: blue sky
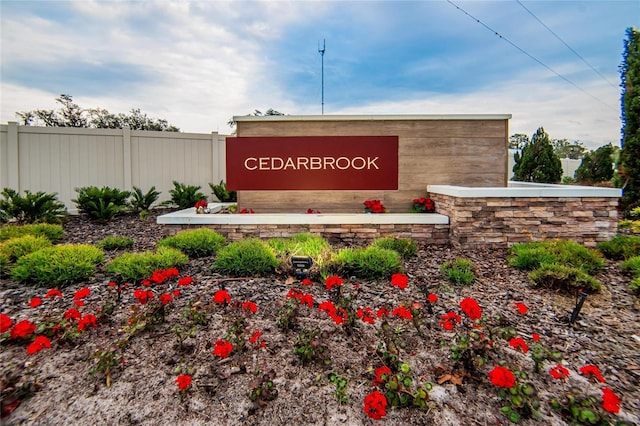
198 63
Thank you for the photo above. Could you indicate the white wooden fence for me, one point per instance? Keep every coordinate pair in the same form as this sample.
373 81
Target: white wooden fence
61 159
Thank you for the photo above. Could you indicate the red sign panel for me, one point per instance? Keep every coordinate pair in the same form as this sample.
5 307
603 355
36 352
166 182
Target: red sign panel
312 163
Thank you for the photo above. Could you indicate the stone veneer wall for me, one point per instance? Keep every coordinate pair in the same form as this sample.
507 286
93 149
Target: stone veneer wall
427 233
505 221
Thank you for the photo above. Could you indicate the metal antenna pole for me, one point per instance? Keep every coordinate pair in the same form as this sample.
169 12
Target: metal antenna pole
321 51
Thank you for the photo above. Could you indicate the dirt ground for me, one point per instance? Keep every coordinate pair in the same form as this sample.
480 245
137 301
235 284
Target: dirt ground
143 388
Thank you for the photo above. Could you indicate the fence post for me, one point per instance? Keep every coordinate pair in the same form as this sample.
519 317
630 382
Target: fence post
13 165
219 161
126 157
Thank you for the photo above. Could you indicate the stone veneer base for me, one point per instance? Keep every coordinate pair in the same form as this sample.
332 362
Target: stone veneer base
468 217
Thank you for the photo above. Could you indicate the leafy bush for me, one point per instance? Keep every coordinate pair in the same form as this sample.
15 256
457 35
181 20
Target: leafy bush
596 166
304 244
366 263
458 271
101 204
58 266
15 248
529 256
115 242
140 201
221 193
632 266
634 285
621 247
52 232
248 257
32 208
195 243
185 196
538 162
404 247
133 267
566 277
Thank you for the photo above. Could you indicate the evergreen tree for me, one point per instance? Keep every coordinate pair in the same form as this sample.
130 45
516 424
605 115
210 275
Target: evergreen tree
596 166
630 155
538 162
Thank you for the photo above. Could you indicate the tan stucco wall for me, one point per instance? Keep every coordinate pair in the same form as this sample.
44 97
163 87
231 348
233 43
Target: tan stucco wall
432 150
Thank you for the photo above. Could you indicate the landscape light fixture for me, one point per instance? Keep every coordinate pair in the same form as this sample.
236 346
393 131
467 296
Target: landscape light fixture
301 264
580 297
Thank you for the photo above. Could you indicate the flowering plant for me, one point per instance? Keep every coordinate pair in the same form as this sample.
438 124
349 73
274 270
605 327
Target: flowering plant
423 205
373 206
201 203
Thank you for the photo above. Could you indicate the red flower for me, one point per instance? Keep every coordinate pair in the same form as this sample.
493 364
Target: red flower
40 342
171 272
158 277
471 308
183 382
610 401
331 281
222 348
201 203
82 293
255 336
559 372
72 313
250 306
54 292
521 307
373 206
246 211
432 298
399 280
185 281
87 320
592 370
366 315
382 312
447 320
143 296
306 281
518 343
384 370
222 296
535 337
375 405
327 306
403 312
502 377
165 298
5 323
35 302
22 329
176 293
145 282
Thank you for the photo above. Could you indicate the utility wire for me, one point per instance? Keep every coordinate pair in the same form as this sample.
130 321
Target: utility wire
530 55
568 47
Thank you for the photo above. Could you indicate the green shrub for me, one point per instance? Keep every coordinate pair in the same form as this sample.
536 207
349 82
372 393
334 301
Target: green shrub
221 193
304 244
621 247
133 267
458 271
4 264
195 243
115 242
566 277
184 196
632 266
15 248
366 263
140 201
248 257
101 204
32 208
634 285
52 232
58 266
529 256
404 247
